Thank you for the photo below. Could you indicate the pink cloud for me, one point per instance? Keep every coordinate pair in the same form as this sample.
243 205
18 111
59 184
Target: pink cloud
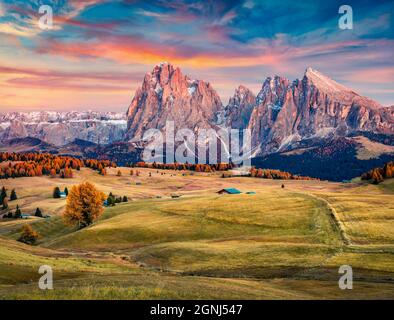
371 75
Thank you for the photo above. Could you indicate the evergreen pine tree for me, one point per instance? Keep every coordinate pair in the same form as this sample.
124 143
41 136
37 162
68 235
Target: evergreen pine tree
13 195
111 200
38 213
5 204
3 195
56 193
18 212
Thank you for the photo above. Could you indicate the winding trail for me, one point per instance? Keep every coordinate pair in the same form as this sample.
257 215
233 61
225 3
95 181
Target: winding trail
335 218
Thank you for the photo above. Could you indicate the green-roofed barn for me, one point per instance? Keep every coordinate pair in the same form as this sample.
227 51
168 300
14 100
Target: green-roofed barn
229 191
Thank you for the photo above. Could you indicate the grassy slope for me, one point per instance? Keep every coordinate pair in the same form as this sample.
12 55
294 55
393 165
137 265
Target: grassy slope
269 217
111 277
284 236
367 213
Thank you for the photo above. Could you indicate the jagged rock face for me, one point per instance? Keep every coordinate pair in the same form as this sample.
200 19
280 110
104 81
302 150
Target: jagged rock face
281 115
167 95
314 107
16 129
269 103
239 109
62 128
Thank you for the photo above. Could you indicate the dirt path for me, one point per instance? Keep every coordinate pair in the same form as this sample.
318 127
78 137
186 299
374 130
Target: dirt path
335 218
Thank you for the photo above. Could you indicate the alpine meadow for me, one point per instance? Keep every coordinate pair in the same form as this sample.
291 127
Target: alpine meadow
196 150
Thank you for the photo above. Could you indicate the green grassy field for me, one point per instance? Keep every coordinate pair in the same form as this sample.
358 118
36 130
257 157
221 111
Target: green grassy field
280 243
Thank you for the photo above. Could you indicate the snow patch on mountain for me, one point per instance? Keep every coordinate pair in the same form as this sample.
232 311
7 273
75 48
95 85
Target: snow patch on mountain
191 90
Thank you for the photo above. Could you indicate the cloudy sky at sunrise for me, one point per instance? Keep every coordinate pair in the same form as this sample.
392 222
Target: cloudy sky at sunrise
98 51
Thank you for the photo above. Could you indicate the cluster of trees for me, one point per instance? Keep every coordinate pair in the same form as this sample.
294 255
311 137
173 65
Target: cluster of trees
4 197
276 174
18 213
38 164
185 166
113 200
13 197
57 193
377 175
84 206
137 172
99 165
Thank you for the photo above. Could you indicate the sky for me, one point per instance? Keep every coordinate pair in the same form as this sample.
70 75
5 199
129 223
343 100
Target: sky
97 52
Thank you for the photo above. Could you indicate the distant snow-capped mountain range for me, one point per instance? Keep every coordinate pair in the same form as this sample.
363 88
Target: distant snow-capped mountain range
61 128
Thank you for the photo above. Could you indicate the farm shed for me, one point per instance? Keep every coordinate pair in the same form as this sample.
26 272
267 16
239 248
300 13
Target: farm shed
229 191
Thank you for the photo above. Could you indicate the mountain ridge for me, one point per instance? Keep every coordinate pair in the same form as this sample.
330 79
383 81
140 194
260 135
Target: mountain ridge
61 128
282 114
313 113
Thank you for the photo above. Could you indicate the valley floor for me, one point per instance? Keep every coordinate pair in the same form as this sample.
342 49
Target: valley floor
279 243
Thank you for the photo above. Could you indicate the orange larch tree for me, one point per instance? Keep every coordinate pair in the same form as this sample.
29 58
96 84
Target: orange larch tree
84 205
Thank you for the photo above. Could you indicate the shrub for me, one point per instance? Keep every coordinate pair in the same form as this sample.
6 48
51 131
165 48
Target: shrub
28 235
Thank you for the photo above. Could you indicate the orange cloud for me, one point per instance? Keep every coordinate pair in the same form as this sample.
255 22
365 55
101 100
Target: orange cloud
147 53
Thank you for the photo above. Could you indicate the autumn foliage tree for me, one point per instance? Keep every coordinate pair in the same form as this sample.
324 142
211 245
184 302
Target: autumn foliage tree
28 235
84 205
377 175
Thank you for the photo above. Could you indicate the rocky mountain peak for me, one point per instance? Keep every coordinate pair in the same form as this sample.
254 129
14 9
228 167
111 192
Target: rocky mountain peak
325 83
335 91
273 90
168 95
242 94
237 112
